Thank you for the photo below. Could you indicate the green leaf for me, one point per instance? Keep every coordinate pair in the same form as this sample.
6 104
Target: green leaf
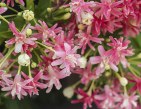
30 4
41 8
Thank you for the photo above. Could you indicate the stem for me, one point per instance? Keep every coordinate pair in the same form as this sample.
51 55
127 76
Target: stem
12 9
10 16
87 54
6 56
19 69
76 84
11 65
130 68
29 71
49 48
91 88
1 17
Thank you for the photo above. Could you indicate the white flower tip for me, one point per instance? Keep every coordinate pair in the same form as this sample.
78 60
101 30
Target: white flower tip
123 81
68 92
24 59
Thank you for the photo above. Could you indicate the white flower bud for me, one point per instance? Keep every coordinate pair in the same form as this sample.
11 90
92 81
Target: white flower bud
68 92
24 59
28 32
28 15
123 81
86 18
82 62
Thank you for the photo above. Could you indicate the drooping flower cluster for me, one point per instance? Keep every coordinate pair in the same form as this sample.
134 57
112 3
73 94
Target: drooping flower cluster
95 43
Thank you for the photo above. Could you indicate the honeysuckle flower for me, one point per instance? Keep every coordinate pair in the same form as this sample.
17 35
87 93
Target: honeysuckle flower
44 32
16 87
120 49
11 2
108 99
86 99
35 83
85 38
87 74
106 8
129 101
66 57
137 82
53 77
20 40
79 7
104 62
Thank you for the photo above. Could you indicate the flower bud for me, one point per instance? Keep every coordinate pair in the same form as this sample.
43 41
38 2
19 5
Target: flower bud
86 18
34 65
66 16
82 62
28 15
19 14
2 4
49 10
68 92
24 59
28 32
139 55
81 27
123 81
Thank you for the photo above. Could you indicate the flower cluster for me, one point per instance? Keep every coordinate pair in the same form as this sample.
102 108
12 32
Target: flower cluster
95 43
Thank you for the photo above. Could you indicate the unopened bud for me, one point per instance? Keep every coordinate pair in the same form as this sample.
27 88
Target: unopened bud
19 14
123 81
139 55
34 65
28 32
24 59
66 16
49 10
2 4
68 92
28 15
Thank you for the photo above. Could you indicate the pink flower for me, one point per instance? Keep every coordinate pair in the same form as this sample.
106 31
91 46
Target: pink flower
86 99
79 7
120 50
85 38
21 41
12 2
18 86
107 8
53 77
103 60
3 9
35 83
66 57
86 74
108 99
129 101
44 32
137 82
